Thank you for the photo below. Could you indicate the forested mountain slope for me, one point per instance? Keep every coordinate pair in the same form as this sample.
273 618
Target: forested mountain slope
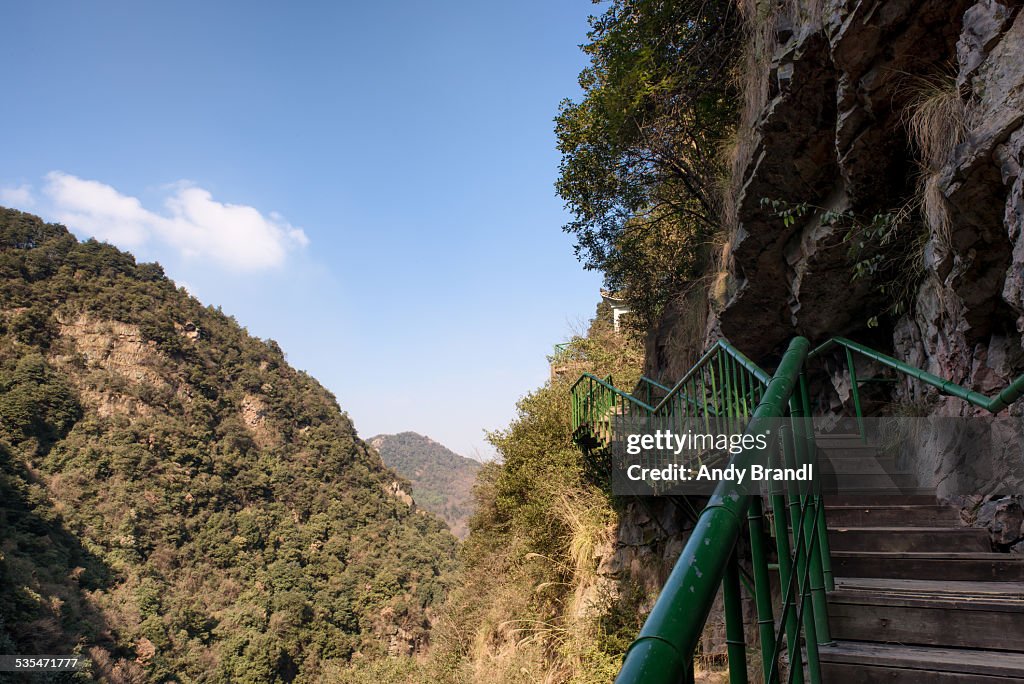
442 480
176 501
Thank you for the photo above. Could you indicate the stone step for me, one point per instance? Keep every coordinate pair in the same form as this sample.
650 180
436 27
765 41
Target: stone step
851 662
921 515
925 539
839 439
983 590
977 567
950 614
912 497
870 464
893 483
847 452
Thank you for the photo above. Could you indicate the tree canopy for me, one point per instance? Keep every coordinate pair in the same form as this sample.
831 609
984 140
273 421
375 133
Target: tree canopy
641 160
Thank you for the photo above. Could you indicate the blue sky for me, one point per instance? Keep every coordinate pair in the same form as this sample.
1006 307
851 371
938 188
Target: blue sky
370 184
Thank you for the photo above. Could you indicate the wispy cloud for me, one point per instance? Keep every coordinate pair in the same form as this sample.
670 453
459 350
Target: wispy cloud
190 221
17 198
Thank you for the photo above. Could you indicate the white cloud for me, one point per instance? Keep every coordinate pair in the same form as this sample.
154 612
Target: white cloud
17 198
192 222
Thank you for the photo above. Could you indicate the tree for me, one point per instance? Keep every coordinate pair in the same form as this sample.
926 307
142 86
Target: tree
640 151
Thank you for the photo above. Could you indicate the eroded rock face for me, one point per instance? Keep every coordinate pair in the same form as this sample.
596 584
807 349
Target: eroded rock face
116 347
650 536
395 490
255 415
833 135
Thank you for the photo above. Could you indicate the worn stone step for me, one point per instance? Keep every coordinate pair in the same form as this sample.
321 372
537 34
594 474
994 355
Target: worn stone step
850 662
931 614
839 439
903 538
910 497
871 464
847 453
922 515
894 483
983 590
978 567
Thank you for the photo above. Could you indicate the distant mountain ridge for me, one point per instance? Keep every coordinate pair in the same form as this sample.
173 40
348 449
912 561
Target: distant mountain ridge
442 480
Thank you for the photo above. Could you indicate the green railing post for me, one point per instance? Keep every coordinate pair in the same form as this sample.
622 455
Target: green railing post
825 553
762 591
803 441
798 514
787 579
735 642
856 395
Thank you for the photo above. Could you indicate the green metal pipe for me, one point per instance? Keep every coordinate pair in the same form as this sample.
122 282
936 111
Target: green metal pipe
823 544
672 630
736 394
727 392
606 384
1007 396
819 502
762 591
855 391
801 562
993 404
720 401
801 522
735 643
786 580
655 383
743 380
803 439
704 399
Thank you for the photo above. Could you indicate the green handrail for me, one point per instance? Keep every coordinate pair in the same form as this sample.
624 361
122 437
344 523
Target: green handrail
655 383
993 404
613 389
717 385
663 651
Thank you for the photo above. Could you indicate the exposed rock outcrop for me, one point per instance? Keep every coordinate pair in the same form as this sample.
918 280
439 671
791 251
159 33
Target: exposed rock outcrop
827 128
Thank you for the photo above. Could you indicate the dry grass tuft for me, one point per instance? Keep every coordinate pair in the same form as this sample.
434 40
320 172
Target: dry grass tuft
937 120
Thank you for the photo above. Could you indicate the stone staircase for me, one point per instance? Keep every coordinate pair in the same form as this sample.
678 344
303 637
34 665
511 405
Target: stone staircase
918 598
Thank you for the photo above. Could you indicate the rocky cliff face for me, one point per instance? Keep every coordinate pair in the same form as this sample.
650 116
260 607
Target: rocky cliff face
969 312
839 89
835 90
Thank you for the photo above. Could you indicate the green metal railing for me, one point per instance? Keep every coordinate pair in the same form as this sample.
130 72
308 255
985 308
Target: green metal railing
724 384
727 386
993 404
